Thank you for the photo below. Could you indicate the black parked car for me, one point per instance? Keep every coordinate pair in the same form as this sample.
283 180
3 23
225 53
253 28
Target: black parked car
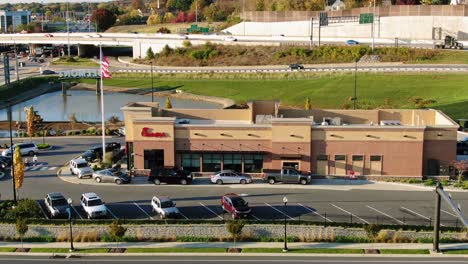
296 66
5 162
160 175
95 152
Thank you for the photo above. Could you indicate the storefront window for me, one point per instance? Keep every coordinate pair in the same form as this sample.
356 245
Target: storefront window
211 162
191 162
253 163
233 162
153 158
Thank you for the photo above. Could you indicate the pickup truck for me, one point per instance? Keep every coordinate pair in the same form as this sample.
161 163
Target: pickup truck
287 175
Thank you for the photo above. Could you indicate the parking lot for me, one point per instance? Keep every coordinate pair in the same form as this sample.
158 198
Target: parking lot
339 212
324 203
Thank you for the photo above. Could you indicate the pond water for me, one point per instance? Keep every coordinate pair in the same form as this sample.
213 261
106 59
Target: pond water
87 106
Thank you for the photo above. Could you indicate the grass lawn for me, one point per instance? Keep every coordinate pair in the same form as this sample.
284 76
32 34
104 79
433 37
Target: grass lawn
456 251
83 62
308 250
173 27
7 249
325 90
173 250
404 251
66 250
447 57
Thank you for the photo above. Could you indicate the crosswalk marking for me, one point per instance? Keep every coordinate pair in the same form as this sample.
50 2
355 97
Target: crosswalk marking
41 166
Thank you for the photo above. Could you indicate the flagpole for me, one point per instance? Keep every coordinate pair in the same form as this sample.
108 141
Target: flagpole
102 109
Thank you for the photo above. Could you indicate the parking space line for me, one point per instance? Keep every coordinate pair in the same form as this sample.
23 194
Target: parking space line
186 218
113 215
418 214
53 168
280 211
42 210
43 168
143 211
77 212
255 217
315 212
448 213
387 215
337 207
207 208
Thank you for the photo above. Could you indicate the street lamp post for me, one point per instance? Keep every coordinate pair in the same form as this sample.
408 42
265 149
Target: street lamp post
70 201
11 152
68 32
285 248
373 29
355 85
152 83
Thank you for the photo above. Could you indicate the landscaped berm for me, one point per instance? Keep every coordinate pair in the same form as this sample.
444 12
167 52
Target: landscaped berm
445 91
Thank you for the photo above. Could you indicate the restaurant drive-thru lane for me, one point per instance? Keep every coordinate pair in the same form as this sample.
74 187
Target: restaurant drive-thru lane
323 203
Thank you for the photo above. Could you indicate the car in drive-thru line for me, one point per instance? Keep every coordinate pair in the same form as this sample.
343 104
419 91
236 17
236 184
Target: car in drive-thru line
235 205
163 175
56 205
228 176
164 207
111 175
286 175
29 148
93 205
80 168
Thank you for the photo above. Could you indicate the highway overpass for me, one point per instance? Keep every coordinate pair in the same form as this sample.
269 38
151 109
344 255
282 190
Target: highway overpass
141 42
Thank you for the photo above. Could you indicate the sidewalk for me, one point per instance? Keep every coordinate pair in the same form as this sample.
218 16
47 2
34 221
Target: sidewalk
317 184
231 245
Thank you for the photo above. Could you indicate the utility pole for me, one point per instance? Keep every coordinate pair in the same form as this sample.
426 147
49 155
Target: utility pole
16 64
435 246
10 116
311 32
152 83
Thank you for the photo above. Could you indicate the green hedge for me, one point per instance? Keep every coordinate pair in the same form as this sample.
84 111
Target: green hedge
40 221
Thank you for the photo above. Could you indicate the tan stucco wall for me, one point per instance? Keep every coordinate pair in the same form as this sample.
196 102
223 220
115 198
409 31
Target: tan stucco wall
366 135
210 114
290 133
213 133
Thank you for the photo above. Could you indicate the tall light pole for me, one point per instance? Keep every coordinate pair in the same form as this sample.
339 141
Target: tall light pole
373 30
70 201
355 85
152 83
11 152
68 32
285 248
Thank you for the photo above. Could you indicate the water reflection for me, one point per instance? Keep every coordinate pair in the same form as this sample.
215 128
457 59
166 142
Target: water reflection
87 106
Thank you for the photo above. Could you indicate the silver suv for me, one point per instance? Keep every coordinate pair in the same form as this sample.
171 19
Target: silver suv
25 149
80 168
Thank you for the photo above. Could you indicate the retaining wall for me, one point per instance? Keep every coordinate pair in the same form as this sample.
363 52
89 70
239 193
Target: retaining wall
273 231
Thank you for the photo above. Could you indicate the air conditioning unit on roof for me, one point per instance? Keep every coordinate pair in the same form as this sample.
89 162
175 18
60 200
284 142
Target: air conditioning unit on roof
390 123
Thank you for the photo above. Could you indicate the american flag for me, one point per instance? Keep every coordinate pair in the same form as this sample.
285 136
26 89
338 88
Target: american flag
105 67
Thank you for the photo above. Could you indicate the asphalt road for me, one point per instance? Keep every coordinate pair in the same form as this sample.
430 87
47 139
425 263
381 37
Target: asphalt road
232 259
202 201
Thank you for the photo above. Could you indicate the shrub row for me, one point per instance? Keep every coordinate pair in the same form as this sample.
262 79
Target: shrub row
211 54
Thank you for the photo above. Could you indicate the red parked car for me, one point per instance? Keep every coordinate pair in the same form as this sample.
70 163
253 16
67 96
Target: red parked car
235 205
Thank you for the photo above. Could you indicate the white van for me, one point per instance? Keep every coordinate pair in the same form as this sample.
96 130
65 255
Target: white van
25 149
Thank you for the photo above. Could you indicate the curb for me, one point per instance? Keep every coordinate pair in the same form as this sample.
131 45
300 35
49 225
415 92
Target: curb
233 254
426 188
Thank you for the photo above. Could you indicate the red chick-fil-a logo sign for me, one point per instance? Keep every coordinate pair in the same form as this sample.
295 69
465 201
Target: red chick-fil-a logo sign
147 132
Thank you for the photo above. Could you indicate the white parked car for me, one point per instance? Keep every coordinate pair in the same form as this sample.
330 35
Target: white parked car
93 205
25 149
232 39
164 207
80 168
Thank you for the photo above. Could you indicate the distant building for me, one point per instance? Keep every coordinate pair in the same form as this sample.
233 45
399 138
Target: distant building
14 19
